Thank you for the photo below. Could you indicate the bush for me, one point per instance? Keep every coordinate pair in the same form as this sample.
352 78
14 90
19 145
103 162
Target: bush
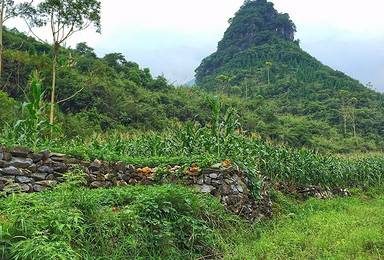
132 222
7 110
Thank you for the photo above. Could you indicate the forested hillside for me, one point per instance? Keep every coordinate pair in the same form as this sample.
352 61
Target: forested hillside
280 92
259 59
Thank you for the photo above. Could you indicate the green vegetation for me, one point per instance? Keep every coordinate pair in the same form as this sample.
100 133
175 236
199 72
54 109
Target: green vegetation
171 222
273 109
142 222
340 228
297 99
98 95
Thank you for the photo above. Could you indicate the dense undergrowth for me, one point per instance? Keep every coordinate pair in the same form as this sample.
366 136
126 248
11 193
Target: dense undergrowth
132 222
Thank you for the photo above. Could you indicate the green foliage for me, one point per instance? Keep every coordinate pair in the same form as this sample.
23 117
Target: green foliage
117 98
34 125
260 55
339 228
70 222
7 110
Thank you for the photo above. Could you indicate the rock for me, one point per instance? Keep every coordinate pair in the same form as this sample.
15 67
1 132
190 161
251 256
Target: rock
213 176
207 188
50 177
36 157
208 180
15 187
85 164
19 187
133 182
39 176
125 177
95 165
32 168
3 180
11 170
45 169
130 168
109 176
121 183
46 183
58 159
234 189
9 179
200 181
20 151
217 165
3 164
20 162
224 190
217 182
57 155
239 188
26 188
57 174
59 167
119 166
4 153
97 184
45 153
23 179
73 161
38 188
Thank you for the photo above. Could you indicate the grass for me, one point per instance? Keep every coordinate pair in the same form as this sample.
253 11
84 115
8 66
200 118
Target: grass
172 222
339 228
132 222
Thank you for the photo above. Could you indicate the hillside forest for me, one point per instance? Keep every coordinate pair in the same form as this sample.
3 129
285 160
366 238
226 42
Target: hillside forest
280 92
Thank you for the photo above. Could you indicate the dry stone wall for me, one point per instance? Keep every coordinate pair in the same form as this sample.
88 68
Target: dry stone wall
26 171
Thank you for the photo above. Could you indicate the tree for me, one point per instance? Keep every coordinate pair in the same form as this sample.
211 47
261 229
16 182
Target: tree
224 82
352 113
8 10
64 17
344 95
268 65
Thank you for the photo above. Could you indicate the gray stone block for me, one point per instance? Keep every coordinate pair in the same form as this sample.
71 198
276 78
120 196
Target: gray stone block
21 162
23 179
20 151
11 170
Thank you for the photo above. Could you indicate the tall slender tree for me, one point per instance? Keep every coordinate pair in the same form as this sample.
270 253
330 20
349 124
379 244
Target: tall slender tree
64 18
268 66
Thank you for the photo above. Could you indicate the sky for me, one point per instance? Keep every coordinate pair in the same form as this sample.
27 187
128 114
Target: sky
171 37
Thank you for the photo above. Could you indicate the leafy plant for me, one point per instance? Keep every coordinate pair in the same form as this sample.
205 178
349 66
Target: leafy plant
32 128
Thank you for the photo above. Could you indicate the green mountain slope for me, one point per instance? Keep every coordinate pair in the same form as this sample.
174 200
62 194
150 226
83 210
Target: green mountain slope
258 58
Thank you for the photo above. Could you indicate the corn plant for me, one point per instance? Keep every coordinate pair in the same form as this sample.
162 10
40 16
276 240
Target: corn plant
31 128
223 122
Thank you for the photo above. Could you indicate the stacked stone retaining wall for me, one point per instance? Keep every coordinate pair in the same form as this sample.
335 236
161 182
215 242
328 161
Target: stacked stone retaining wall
26 171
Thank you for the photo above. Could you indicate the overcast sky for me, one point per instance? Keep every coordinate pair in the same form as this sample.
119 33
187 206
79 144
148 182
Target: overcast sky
173 36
